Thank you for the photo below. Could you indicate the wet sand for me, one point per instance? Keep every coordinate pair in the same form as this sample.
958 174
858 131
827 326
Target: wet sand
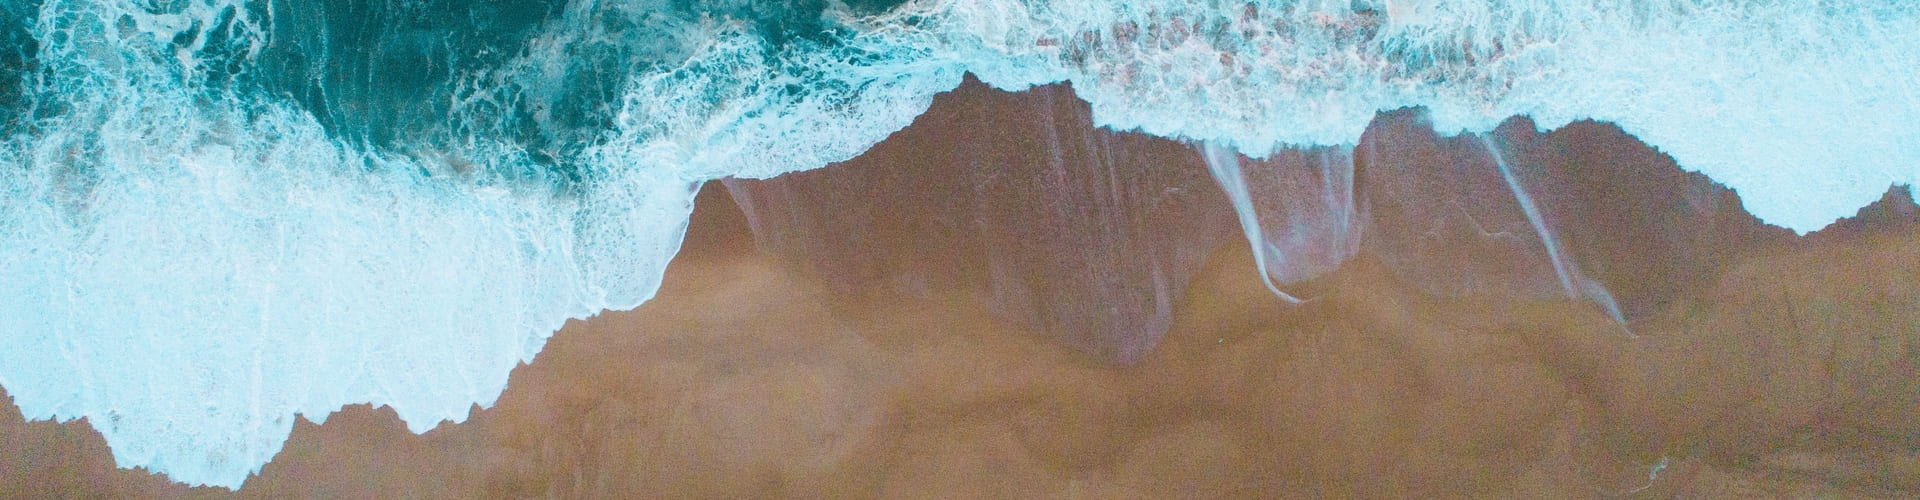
1762 364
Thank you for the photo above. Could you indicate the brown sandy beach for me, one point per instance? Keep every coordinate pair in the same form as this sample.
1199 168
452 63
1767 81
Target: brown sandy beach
812 345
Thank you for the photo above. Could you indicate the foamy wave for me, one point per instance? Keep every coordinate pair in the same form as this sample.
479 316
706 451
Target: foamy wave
190 273
1807 110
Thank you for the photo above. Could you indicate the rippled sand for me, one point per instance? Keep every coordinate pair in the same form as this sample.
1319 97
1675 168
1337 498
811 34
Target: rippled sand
1783 367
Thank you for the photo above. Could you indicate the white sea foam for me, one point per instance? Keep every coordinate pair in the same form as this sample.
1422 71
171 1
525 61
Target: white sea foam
191 274
1806 109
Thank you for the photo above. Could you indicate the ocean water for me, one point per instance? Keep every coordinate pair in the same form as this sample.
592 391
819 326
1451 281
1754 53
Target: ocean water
217 214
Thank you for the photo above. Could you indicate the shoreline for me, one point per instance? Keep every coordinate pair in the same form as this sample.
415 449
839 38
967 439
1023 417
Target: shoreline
751 375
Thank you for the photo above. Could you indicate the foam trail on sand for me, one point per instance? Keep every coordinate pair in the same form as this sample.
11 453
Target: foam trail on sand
1563 266
1304 214
1527 207
1299 210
